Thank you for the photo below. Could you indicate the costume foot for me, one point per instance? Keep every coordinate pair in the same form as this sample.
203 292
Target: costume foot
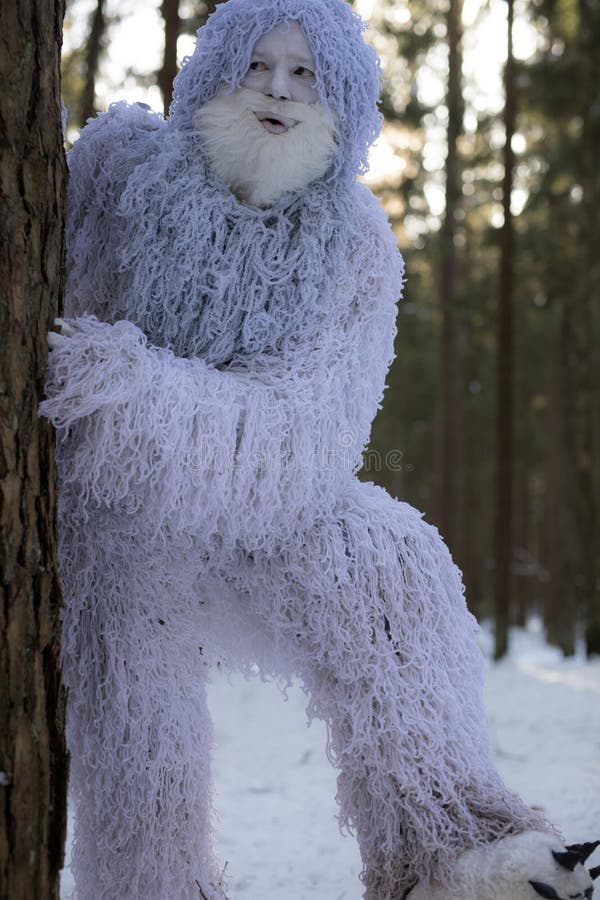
521 867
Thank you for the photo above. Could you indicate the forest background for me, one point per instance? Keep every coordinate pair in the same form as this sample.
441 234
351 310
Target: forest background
489 169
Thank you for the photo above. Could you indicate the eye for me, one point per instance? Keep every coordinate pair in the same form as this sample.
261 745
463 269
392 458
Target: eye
257 66
303 72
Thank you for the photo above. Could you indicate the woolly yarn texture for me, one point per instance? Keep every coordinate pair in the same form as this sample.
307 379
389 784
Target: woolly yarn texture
211 414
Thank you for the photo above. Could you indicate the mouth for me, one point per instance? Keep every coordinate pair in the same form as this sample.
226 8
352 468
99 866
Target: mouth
275 124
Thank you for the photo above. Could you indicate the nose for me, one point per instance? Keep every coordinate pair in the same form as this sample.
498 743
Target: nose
278 85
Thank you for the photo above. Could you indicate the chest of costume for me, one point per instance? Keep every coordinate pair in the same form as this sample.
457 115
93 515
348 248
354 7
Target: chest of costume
207 276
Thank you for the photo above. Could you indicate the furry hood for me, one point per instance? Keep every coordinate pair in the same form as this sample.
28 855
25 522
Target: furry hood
155 237
348 70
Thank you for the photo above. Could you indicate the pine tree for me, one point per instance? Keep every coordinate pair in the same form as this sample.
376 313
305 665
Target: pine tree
33 763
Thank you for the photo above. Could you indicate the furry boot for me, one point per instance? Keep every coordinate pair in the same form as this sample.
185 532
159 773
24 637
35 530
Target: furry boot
520 867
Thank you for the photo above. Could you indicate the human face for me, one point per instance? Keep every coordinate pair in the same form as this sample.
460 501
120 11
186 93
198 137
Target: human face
282 67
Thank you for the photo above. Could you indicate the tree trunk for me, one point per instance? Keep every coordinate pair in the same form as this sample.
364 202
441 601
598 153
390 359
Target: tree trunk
471 514
559 611
523 574
173 26
170 14
33 762
587 578
92 59
449 430
504 424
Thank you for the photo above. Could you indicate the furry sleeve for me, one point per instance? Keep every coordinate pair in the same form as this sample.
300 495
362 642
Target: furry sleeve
250 452
108 150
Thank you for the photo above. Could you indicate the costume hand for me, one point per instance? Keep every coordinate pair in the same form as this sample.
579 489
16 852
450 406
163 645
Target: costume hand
90 364
63 331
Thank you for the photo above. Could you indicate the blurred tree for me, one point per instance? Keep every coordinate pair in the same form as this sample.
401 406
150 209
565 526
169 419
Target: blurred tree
437 408
175 25
450 450
93 49
81 64
407 38
170 13
503 535
33 762
586 318
561 226
543 311
560 544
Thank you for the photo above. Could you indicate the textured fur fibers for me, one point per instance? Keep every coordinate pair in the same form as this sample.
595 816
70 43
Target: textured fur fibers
212 408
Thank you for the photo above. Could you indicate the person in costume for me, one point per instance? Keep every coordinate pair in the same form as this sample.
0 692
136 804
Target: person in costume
231 298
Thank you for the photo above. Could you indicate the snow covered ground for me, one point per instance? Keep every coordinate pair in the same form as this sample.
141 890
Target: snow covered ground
275 788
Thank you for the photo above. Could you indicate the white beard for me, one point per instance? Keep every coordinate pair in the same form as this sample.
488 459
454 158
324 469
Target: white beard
259 166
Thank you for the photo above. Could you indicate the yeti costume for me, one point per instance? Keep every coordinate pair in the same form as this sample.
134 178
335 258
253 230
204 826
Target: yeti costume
212 406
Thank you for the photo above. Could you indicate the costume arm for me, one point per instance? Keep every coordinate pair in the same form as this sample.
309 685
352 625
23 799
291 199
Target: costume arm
249 452
108 150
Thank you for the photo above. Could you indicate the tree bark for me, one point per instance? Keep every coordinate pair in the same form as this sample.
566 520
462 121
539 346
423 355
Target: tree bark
92 59
33 761
504 424
449 431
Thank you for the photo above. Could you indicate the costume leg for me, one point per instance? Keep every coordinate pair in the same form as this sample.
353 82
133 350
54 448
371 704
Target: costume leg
370 607
137 727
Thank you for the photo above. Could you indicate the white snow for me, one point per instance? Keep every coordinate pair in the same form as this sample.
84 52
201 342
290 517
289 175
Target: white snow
275 788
